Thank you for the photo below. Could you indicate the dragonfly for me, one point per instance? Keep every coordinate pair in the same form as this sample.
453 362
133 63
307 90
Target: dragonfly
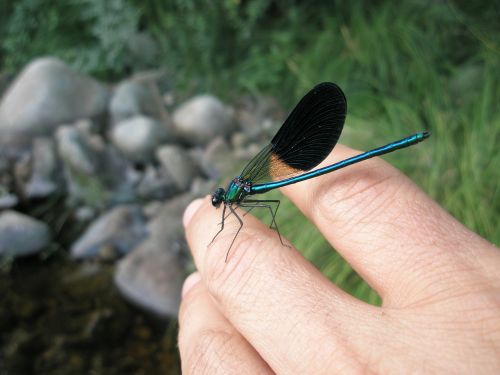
306 138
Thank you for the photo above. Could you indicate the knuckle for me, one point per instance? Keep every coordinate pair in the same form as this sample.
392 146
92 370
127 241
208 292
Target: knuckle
186 309
191 303
227 279
357 197
210 353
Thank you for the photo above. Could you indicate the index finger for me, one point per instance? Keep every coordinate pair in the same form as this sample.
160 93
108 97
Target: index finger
272 295
395 236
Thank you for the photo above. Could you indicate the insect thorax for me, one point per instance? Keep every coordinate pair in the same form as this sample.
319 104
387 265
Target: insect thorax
237 190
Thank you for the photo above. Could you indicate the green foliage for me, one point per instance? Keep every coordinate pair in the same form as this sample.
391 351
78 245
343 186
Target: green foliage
94 36
204 39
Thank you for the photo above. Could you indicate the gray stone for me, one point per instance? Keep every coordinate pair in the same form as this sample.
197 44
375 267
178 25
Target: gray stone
21 234
7 200
85 213
246 153
179 164
255 113
167 224
217 160
45 95
136 97
120 229
87 126
151 277
76 150
46 175
94 171
152 209
138 137
156 184
202 118
200 187
22 169
239 140
4 164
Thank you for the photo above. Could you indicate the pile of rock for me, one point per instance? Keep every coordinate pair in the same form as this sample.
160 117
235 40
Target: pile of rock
126 166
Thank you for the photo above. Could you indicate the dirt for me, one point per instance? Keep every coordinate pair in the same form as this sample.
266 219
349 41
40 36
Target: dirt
58 316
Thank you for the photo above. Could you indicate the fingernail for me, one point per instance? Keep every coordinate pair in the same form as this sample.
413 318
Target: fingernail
190 210
190 281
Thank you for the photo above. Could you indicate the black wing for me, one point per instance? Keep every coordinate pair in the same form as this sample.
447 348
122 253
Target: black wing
305 139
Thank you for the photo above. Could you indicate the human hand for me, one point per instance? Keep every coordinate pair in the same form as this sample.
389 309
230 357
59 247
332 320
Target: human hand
268 310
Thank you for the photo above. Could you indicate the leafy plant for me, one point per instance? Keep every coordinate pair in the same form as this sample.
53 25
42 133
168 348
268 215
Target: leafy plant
94 36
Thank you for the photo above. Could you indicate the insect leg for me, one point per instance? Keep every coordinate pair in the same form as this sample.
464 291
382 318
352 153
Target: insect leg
261 204
237 232
224 217
252 203
248 211
221 224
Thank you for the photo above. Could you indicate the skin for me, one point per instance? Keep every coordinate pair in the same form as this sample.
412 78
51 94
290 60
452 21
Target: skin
267 310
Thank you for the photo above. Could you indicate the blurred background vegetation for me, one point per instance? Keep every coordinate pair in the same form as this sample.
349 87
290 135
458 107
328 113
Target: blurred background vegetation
405 67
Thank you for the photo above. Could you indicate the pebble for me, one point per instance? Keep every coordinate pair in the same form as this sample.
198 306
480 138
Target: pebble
94 171
138 137
156 184
202 118
46 94
22 235
179 164
121 229
132 98
46 177
216 159
151 277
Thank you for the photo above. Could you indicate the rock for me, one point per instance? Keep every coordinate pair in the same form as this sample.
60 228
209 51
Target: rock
4 164
253 112
200 187
151 277
7 184
85 213
46 175
156 184
7 200
87 126
94 171
22 169
178 163
45 95
202 118
138 137
216 160
121 229
133 98
76 149
239 140
21 234
245 154
167 224
152 209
